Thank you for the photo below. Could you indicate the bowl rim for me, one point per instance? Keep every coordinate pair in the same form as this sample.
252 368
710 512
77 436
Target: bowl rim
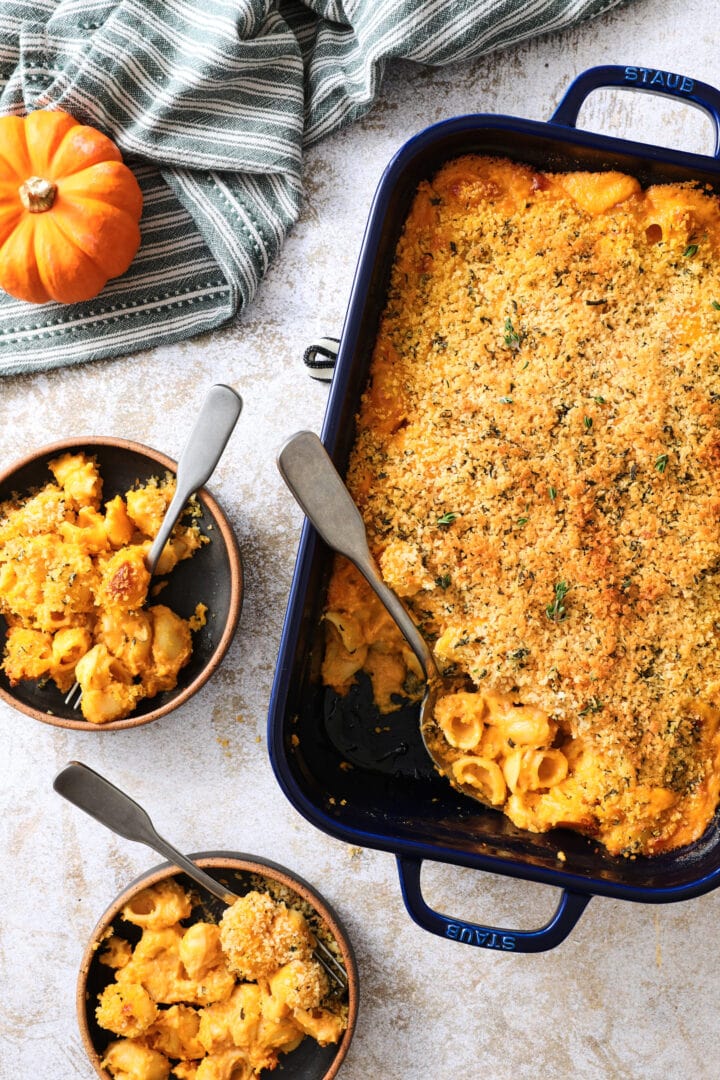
231 860
236 584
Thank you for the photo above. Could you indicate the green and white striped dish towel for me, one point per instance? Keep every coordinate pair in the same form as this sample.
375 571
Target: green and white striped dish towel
212 103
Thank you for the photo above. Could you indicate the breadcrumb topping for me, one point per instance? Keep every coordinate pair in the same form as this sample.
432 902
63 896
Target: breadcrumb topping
537 465
259 935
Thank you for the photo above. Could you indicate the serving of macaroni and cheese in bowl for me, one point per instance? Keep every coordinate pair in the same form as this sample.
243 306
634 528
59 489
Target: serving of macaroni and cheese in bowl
174 985
78 607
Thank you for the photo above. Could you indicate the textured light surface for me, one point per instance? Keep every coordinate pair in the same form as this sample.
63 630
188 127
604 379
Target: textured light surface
631 993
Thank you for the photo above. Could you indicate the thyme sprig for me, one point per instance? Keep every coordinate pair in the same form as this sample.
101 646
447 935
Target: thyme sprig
513 338
447 519
556 610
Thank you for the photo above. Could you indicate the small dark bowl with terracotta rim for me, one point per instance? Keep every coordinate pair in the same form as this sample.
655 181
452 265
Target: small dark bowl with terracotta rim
213 576
240 873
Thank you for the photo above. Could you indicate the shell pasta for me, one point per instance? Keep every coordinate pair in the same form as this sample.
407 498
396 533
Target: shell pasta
195 1000
498 747
74 590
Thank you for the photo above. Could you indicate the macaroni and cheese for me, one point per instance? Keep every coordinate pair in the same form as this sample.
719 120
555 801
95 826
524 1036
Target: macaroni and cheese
73 589
197 1000
537 463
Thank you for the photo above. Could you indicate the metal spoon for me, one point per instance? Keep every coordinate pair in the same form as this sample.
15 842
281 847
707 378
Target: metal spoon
214 425
307 469
91 792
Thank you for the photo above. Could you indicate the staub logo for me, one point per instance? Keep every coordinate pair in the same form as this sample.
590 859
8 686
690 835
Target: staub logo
476 935
652 77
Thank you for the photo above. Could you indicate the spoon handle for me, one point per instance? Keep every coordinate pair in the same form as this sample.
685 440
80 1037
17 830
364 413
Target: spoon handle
92 793
307 469
200 455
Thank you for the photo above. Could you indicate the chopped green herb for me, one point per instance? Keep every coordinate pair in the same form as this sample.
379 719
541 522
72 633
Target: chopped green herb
522 521
556 611
505 400
587 422
518 654
443 581
594 705
715 304
661 463
599 399
446 519
512 338
552 492
689 251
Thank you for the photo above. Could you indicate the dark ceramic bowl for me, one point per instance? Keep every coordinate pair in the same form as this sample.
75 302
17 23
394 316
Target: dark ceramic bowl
239 873
212 576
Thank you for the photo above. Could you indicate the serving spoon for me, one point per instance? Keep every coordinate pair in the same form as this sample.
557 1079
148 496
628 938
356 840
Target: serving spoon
204 447
101 799
308 471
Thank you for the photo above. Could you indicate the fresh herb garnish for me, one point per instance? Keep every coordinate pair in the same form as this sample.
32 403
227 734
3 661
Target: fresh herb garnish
587 421
661 463
556 611
690 250
512 338
594 705
443 581
552 492
447 518
715 304
522 521
518 655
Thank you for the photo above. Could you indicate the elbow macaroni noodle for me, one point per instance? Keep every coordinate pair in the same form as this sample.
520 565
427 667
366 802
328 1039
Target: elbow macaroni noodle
73 590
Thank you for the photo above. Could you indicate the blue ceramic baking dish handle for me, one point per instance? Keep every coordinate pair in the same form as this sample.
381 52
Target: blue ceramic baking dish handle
652 80
571 906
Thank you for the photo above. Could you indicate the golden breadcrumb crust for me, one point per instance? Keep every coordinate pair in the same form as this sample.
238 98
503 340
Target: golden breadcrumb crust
537 461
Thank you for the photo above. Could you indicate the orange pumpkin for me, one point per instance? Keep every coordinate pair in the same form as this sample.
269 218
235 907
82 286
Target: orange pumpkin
69 209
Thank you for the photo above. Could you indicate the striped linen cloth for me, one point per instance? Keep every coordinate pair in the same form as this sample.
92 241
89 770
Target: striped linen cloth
212 103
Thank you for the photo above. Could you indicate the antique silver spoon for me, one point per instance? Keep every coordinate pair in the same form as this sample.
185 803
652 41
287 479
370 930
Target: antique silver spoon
308 471
91 792
204 447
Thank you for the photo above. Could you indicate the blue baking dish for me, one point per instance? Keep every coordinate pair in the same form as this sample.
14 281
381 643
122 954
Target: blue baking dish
365 779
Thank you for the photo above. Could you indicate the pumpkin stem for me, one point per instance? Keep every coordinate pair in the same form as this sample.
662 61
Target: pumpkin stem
37 194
